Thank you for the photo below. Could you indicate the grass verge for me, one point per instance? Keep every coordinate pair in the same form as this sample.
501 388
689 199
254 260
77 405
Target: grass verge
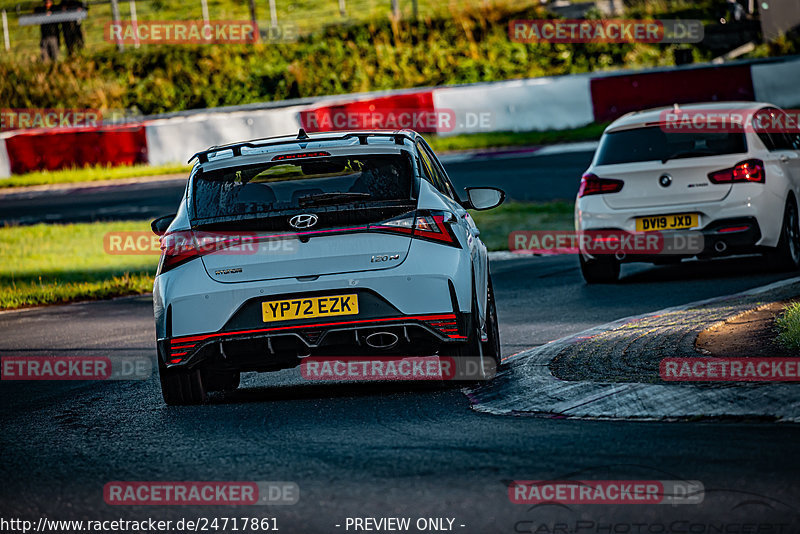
455 142
789 324
496 224
91 174
51 264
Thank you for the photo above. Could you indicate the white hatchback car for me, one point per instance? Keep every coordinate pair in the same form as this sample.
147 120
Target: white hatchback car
710 168
376 256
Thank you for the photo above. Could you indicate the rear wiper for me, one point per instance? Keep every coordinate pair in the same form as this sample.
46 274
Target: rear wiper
686 154
324 198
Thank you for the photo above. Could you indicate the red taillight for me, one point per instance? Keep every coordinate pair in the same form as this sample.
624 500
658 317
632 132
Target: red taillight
403 224
592 185
422 224
185 245
178 350
751 170
300 155
433 226
732 229
177 249
447 325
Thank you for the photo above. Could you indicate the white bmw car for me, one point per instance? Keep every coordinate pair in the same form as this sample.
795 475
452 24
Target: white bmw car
339 244
730 171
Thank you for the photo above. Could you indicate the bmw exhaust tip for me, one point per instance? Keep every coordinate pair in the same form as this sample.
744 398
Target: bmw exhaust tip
720 246
381 340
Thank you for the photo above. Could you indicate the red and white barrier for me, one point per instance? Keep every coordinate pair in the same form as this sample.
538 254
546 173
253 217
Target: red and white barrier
550 103
59 148
174 140
613 96
397 111
5 163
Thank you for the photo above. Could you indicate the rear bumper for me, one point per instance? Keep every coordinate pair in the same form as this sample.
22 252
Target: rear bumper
753 201
731 236
726 237
267 348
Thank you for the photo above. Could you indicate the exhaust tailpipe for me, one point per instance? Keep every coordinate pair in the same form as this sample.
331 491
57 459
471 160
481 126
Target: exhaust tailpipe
720 246
381 340
619 255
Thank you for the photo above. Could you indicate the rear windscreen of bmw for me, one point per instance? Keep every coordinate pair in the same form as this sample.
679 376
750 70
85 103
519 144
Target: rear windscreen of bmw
364 188
653 143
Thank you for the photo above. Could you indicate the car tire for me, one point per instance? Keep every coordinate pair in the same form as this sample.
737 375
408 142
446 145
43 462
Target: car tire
491 347
602 270
786 256
221 380
182 386
475 348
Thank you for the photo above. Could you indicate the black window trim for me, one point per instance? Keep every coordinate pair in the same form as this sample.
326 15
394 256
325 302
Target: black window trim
768 138
450 190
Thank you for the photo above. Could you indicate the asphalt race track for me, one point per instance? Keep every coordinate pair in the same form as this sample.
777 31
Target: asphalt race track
382 450
388 450
527 177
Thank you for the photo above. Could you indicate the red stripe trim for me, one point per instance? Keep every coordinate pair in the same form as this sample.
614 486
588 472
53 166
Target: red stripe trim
180 354
203 337
178 347
734 229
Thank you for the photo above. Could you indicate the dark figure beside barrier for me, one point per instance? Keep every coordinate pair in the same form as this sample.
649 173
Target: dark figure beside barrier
72 29
50 40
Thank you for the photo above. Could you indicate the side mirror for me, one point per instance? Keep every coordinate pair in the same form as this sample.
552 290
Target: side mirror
484 198
159 226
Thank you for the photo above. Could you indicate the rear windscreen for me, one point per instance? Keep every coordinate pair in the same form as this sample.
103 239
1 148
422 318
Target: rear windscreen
654 143
305 184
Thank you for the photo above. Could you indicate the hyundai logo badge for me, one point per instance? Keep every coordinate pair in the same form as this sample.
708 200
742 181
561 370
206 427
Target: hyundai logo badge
304 220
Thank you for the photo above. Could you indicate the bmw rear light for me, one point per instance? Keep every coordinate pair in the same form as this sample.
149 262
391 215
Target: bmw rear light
751 170
422 224
591 184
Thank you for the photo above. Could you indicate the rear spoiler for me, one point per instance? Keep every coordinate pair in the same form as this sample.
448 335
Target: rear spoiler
236 148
